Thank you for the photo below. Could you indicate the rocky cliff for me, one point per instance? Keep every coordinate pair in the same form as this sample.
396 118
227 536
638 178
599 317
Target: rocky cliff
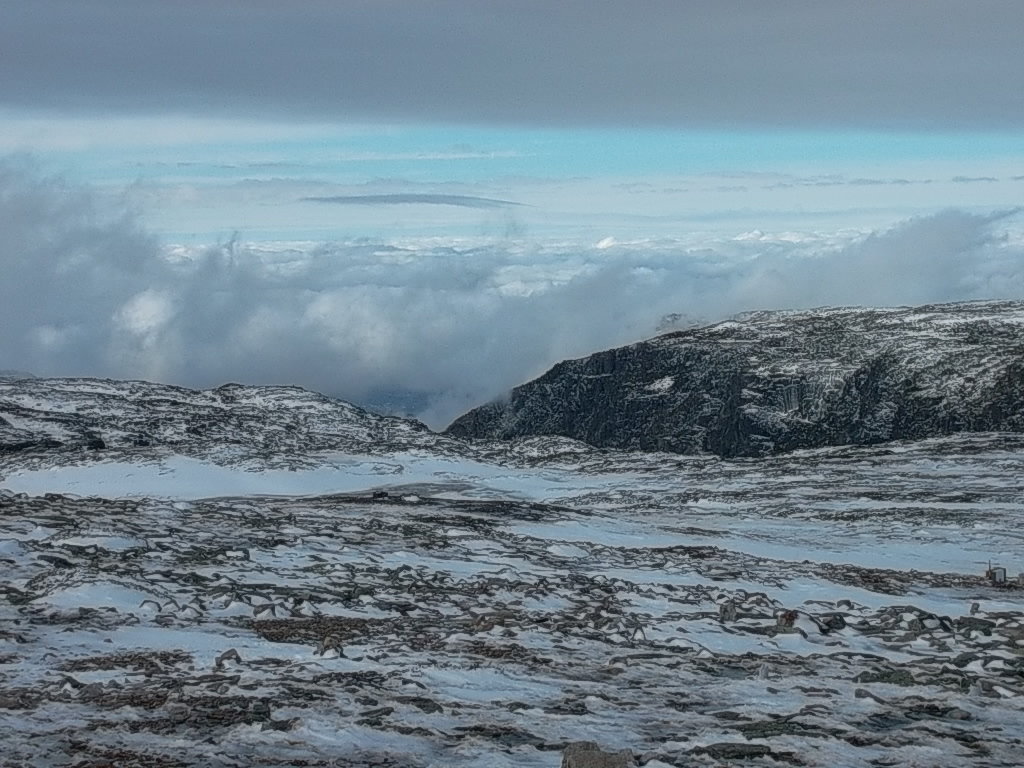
765 382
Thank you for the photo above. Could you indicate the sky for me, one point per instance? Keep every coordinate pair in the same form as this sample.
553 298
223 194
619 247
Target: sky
422 204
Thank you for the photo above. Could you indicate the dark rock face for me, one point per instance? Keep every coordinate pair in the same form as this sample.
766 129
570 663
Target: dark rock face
766 382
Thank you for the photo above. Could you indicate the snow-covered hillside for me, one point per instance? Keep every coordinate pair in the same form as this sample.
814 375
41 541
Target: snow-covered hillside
230 423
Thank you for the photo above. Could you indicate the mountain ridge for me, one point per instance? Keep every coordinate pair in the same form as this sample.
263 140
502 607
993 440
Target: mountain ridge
778 380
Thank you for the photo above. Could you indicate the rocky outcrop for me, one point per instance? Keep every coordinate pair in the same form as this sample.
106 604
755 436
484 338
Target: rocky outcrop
766 382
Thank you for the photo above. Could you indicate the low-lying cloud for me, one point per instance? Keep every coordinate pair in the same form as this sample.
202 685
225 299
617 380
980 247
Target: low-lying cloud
454 323
415 198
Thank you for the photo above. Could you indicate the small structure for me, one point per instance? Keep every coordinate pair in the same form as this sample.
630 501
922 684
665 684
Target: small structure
996 574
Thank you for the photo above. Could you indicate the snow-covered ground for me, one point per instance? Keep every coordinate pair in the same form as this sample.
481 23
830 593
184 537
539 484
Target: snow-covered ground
496 605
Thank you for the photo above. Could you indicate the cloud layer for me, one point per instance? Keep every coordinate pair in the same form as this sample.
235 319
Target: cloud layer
452 322
941 64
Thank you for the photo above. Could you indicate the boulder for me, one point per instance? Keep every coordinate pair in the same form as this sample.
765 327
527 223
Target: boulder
587 754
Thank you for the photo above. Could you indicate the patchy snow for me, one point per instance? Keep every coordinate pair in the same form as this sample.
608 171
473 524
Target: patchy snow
661 385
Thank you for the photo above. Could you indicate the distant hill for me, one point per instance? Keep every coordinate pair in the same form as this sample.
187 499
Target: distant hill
55 415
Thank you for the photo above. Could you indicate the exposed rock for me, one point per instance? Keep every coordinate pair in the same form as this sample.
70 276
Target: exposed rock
587 754
786 619
776 381
862 693
833 622
422 703
973 623
931 710
733 751
890 676
727 611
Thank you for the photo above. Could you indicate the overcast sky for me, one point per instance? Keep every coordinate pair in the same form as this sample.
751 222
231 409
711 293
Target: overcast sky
356 180
929 64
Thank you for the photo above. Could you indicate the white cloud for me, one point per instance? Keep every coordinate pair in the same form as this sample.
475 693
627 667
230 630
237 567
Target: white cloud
146 313
459 321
